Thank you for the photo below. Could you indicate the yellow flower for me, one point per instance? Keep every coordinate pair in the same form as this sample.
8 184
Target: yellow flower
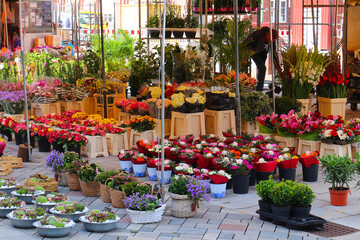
155 92
231 94
190 100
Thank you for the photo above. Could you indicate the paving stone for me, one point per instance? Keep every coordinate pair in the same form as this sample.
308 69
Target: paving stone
177 221
226 235
169 234
233 227
146 229
273 235
164 238
298 233
209 226
192 231
189 225
295 237
211 236
134 226
214 221
110 237
214 209
250 232
238 216
147 235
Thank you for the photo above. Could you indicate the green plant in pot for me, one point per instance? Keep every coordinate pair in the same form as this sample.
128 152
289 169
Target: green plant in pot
178 23
87 175
281 196
339 171
264 189
103 178
191 21
303 197
283 105
153 22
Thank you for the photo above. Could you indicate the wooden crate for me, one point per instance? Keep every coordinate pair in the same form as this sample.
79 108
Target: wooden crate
5 168
15 161
217 122
332 106
78 105
166 130
287 142
249 127
122 91
65 106
16 117
306 145
89 105
123 116
187 123
137 136
330 149
41 109
110 111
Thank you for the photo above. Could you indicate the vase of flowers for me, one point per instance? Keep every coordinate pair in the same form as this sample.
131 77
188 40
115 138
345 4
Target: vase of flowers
239 169
218 183
310 166
287 162
56 161
87 175
168 168
139 165
100 221
125 160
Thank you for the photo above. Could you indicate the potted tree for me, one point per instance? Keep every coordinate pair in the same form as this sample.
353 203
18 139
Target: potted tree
281 197
87 175
264 189
303 197
153 22
339 171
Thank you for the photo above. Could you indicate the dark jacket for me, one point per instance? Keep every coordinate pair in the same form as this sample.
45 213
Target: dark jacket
255 41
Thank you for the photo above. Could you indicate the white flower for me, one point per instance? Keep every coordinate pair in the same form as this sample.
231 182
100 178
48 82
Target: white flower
215 149
271 153
212 135
253 150
261 160
269 146
244 156
209 155
234 144
342 135
182 143
239 161
224 152
286 149
281 157
17 60
198 146
203 142
1 66
267 138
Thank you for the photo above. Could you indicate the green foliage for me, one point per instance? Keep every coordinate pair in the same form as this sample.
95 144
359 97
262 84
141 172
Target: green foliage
136 187
153 21
79 207
40 211
264 189
41 199
338 171
92 61
104 176
329 90
73 163
282 194
303 195
253 104
178 185
89 171
96 215
283 105
39 188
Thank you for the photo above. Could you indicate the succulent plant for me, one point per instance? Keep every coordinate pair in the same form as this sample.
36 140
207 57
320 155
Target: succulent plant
39 188
7 182
79 207
11 202
41 199
51 197
2 194
70 207
54 221
96 215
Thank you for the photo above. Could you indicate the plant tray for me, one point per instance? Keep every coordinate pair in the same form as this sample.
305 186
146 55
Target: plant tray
312 222
5 168
15 161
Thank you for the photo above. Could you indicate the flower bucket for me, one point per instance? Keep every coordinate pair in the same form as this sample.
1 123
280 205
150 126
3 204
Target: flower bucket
105 193
285 134
339 197
126 165
141 217
218 190
44 145
167 176
140 169
152 174
117 198
90 189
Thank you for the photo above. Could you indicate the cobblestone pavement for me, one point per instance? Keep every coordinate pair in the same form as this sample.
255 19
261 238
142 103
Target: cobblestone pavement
232 217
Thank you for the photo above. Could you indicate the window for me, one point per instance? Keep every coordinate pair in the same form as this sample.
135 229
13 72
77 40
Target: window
282 11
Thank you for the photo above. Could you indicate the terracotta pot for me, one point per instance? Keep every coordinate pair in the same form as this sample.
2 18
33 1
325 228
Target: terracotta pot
90 189
73 181
339 197
105 193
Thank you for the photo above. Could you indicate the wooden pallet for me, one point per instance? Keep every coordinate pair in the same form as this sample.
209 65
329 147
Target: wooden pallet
15 161
5 168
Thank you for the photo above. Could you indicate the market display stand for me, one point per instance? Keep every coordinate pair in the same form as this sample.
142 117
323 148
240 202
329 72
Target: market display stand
187 123
217 122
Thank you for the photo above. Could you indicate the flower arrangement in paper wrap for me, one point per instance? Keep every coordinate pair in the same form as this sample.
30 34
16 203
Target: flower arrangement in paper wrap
27 213
222 160
239 167
125 155
43 93
204 160
332 83
142 123
310 126
189 101
188 155
354 126
139 159
13 102
142 202
64 137
309 158
267 123
187 138
55 160
219 176
287 159
264 166
183 168
168 164
144 146
201 173
289 125
172 152
337 134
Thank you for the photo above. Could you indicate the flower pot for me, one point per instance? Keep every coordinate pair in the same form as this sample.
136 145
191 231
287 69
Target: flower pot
126 165
152 174
141 217
90 189
61 178
252 177
168 34
18 139
305 103
7 190
287 173
190 34
22 223
105 193
26 198
241 184
53 232
167 176
332 106
229 184
58 147
140 169
43 144
154 33
181 206
73 216
260 176
281 212
218 190
178 34
8 134
99 227
73 181
6 211
72 148
265 207
339 197
117 198
300 212
310 174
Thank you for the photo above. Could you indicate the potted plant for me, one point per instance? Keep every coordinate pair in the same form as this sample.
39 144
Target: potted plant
264 169
53 226
288 125
339 171
144 208
49 201
7 185
27 194
168 167
151 168
103 178
183 169
204 160
310 126
6 127
87 175
125 160
287 162
42 134
178 23
139 164
191 21
100 221
310 166
153 22
25 217
239 169
116 192
55 160
49 184
267 123
302 199
9 204
219 178
186 192
73 165
264 189
71 210
281 197
336 134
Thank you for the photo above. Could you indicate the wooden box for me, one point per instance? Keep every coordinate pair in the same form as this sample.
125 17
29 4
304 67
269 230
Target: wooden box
306 145
89 105
287 141
41 109
65 106
137 136
5 168
15 161
123 116
187 123
217 122
166 130
16 117
331 149
332 106
249 127
78 105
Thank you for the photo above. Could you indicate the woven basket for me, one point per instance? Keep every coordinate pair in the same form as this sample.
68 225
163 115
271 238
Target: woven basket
51 186
105 193
181 206
73 181
117 198
90 189
146 217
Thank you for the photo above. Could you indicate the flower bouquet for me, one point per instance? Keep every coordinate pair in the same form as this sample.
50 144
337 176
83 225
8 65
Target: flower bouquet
265 166
125 158
310 126
289 125
204 160
168 167
13 102
189 103
337 134
203 173
155 107
144 146
183 168
172 152
310 166
139 165
354 126
142 123
267 123
218 183
287 165
188 156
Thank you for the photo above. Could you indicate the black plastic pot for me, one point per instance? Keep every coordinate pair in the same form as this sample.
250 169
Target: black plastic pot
8 134
310 174
154 33
265 207
76 149
280 211
252 177
300 212
190 34
18 139
44 145
178 34
260 176
229 184
287 173
58 147
241 184
168 34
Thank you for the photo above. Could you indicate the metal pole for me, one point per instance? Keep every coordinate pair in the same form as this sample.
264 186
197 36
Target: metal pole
237 89
90 15
24 79
289 20
313 20
331 26
336 17
162 67
103 58
139 20
271 61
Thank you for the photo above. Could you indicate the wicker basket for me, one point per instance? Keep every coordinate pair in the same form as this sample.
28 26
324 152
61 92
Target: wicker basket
105 193
181 206
117 198
146 217
51 186
73 181
90 189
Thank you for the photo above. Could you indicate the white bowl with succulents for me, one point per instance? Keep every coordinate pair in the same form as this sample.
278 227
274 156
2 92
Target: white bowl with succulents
71 210
25 217
27 194
7 185
100 221
9 204
54 227
49 201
